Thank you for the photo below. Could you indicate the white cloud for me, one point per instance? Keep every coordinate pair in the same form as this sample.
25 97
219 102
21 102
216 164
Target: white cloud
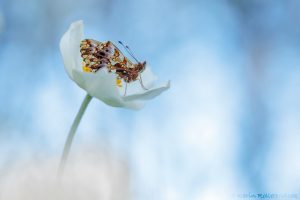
91 173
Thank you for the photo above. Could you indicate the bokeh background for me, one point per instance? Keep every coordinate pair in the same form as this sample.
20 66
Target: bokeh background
228 127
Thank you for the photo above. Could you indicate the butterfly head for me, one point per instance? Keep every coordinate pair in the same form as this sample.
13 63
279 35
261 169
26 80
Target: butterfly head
141 66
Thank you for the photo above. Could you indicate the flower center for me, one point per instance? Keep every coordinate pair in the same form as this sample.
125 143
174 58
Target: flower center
86 69
119 82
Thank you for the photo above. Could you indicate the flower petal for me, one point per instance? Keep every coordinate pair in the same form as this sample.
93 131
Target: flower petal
102 85
70 47
149 94
148 77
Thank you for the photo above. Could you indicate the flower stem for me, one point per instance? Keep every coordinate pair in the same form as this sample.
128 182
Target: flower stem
71 134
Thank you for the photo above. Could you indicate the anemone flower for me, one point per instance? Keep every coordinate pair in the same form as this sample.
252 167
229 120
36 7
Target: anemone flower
102 84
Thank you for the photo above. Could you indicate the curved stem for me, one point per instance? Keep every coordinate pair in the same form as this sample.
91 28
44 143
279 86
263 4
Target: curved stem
71 134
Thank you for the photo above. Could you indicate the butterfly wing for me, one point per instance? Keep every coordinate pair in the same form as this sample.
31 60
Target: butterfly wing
95 55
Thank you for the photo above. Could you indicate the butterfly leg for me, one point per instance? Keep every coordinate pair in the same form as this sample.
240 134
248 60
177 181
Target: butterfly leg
141 82
125 89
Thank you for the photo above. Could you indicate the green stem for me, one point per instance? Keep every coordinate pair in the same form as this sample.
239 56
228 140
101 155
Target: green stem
71 134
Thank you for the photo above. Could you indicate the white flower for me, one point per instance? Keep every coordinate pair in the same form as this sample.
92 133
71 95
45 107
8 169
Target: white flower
102 84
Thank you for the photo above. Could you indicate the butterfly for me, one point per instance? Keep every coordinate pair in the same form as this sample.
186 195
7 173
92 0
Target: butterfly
97 55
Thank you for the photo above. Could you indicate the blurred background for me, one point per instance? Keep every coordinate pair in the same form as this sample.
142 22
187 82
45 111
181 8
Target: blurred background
228 127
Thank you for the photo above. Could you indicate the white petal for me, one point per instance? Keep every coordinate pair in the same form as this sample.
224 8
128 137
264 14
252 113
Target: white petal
102 85
148 94
70 47
148 77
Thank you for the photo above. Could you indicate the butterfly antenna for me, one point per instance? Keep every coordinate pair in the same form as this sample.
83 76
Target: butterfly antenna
129 51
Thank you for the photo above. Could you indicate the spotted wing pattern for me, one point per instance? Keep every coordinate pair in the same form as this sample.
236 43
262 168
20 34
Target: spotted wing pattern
95 55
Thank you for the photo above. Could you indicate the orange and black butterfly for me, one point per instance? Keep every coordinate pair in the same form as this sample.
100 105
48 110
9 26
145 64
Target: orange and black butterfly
97 55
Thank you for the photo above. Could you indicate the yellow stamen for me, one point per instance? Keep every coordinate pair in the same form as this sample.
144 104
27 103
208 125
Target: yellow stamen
86 69
119 82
